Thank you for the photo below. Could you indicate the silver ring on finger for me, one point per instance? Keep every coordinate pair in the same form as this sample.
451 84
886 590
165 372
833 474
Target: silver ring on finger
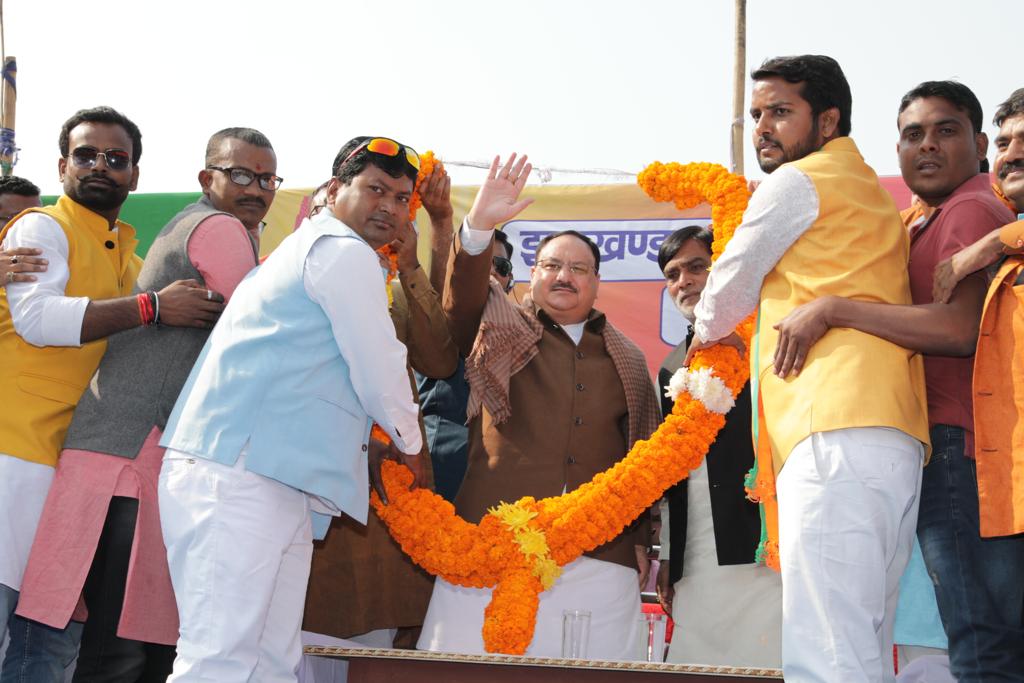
10 276
14 260
209 295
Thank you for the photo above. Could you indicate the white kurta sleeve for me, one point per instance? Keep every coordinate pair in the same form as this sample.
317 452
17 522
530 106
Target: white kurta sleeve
41 313
783 208
344 277
474 241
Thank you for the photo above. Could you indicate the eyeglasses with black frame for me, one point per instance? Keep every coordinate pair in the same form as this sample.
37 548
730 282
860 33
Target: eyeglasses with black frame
86 157
244 177
502 266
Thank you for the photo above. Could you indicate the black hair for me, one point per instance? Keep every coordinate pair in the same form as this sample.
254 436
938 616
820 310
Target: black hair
1013 106
12 184
957 94
503 238
824 85
249 136
677 239
101 115
345 169
578 235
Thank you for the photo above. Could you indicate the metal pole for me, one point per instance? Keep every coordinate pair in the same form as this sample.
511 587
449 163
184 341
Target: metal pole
739 87
8 147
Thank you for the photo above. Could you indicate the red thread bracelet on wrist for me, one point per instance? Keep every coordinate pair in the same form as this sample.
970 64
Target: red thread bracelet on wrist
145 309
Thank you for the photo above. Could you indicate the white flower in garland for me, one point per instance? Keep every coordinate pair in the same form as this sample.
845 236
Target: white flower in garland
702 385
677 384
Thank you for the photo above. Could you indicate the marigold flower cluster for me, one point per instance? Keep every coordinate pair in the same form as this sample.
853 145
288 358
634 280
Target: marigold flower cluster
427 164
504 549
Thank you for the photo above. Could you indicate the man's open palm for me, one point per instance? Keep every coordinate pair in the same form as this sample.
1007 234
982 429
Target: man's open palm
498 199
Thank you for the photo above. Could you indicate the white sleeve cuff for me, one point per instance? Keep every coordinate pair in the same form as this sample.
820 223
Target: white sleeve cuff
61 321
474 242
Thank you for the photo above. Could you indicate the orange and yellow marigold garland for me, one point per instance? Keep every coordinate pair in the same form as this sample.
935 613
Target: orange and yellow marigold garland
492 553
427 164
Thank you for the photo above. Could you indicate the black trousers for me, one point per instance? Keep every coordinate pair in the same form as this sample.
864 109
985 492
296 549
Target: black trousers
104 657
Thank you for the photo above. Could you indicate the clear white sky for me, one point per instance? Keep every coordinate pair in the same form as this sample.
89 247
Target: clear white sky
575 83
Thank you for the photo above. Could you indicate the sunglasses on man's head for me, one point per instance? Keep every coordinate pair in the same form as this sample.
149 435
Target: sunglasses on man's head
116 159
502 266
388 148
244 177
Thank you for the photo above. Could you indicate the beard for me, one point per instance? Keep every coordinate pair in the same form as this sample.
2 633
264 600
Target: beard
798 151
96 194
684 308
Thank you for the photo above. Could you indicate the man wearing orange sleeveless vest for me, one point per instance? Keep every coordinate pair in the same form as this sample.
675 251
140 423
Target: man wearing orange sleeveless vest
848 435
998 386
53 329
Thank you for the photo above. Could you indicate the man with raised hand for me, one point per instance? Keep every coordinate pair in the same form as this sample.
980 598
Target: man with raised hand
102 506
848 435
557 395
269 436
53 330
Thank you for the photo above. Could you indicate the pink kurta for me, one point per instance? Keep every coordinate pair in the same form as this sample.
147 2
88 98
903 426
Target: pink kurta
76 507
69 532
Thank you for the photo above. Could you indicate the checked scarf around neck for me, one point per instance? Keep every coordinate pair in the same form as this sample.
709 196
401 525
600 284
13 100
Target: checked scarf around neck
508 339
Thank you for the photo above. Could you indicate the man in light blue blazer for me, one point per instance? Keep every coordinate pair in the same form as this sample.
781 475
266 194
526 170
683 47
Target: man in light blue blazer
270 435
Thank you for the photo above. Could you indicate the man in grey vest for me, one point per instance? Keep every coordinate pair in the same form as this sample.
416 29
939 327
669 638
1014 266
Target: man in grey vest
99 538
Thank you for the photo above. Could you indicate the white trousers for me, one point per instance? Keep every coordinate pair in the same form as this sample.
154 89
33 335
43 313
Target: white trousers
847 516
239 547
610 592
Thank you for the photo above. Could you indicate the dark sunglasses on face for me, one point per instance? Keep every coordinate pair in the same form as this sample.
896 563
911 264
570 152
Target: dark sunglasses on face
86 157
502 266
244 177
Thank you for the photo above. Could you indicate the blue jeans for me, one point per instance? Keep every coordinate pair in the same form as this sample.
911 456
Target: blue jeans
8 603
979 583
36 653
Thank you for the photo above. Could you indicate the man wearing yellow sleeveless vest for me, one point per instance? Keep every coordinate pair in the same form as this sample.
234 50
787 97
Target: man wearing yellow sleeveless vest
53 329
848 435
978 584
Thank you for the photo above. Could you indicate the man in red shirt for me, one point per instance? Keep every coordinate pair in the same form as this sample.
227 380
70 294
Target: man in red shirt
941 150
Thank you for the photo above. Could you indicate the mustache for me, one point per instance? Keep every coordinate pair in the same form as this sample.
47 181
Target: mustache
568 286
769 139
97 178
253 201
383 218
1010 166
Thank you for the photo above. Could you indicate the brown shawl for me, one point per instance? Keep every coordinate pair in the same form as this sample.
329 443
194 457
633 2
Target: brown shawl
507 341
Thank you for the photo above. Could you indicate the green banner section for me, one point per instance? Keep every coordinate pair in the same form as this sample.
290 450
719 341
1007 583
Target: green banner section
148 213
